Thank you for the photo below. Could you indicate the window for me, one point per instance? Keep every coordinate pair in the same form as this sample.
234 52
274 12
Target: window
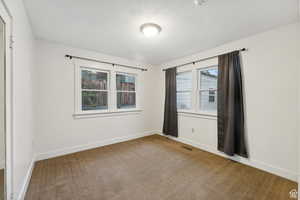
184 90
101 89
126 91
208 79
94 89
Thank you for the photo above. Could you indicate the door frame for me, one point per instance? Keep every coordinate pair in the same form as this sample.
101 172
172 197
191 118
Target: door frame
8 20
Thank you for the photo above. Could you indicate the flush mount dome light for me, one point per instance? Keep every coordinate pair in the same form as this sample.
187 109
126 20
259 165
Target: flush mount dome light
150 29
199 2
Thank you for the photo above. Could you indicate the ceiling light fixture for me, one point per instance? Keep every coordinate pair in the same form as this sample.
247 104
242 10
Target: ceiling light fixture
199 2
150 29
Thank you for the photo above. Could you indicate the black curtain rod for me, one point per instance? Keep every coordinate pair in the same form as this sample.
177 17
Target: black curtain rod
105 62
203 59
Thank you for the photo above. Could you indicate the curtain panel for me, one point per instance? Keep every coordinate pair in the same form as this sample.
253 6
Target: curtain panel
170 126
231 130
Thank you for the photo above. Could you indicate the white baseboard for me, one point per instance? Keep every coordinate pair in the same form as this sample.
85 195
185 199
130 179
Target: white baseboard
69 150
26 182
253 163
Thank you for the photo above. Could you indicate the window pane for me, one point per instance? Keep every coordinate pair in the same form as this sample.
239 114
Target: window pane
209 79
94 100
184 100
184 81
125 82
208 101
126 99
93 80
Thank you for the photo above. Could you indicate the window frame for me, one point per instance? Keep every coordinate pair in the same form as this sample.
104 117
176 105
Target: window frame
199 90
135 90
111 90
185 91
80 89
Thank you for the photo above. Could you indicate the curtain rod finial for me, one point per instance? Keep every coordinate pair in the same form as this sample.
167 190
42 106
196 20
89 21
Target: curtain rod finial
68 56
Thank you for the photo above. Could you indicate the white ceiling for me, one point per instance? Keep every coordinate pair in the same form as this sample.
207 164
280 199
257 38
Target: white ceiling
112 26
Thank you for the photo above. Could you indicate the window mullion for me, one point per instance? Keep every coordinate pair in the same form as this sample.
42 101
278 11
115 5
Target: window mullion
194 90
94 90
113 89
204 90
183 91
126 91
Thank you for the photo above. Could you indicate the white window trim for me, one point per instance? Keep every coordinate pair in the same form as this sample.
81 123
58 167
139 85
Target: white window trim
107 114
202 115
198 110
195 109
112 92
79 105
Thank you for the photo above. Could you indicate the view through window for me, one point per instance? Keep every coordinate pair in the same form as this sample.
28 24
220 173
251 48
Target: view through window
126 91
208 89
184 90
94 90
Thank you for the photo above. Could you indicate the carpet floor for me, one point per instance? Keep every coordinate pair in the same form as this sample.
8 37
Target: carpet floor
152 168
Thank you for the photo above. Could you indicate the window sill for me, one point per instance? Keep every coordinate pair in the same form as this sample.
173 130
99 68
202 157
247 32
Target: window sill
205 115
107 114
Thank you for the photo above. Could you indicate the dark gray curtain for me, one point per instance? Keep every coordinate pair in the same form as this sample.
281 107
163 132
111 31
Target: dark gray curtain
170 116
231 131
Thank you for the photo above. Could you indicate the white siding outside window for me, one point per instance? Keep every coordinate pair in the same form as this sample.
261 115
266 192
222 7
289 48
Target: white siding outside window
208 80
184 90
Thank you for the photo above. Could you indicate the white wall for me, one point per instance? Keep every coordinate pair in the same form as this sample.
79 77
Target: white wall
57 130
299 121
270 101
23 94
2 97
271 83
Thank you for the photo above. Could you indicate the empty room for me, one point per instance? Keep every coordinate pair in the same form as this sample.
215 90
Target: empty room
149 99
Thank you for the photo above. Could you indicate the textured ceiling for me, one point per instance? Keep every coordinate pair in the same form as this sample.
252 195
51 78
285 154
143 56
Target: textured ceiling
112 26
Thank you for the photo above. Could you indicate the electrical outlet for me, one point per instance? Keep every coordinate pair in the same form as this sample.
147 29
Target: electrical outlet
193 130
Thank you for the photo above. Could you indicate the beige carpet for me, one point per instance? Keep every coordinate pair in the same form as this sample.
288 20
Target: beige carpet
151 168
